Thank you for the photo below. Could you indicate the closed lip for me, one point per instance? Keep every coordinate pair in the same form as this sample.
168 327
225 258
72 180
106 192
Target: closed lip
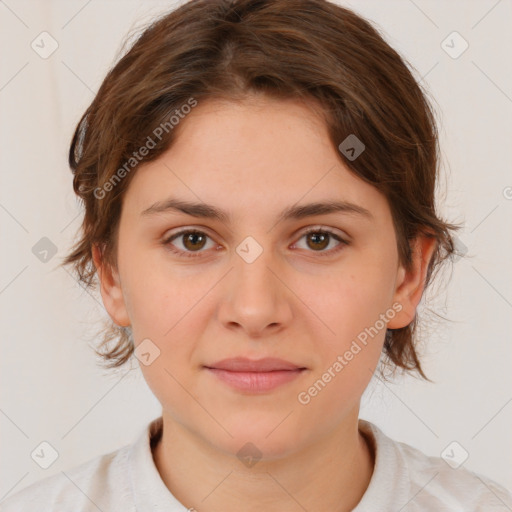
243 364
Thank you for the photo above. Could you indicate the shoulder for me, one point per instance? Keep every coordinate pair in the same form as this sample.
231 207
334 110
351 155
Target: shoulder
79 488
431 483
456 486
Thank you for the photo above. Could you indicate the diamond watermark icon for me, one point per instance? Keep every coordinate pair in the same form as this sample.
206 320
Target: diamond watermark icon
454 45
249 250
146 352
351 147
44 455
44 250
460 249
249 454
44 45
454 455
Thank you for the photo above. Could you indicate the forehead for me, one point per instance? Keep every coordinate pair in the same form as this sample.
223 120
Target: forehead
257 125
251 156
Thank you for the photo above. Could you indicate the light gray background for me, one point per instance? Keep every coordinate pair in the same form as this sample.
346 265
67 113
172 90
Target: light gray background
51 389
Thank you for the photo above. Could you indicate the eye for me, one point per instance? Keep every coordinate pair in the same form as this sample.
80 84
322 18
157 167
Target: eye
318 239
191 239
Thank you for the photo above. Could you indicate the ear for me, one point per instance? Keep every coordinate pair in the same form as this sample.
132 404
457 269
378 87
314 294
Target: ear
111 291
410 284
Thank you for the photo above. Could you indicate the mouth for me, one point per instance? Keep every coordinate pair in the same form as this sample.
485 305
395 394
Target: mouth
255 376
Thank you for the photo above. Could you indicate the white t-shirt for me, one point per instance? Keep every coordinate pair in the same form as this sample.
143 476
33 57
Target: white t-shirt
126 480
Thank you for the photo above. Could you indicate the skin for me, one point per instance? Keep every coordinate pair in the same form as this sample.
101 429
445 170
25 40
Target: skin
295 301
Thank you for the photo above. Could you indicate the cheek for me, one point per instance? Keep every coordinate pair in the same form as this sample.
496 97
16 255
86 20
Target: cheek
355 299
356 305
165 311
158 295
356 308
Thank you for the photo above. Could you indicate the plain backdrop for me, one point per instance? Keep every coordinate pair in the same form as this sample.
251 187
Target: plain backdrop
51 387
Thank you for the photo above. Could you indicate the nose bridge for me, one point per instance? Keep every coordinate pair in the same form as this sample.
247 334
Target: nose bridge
253 263
254 299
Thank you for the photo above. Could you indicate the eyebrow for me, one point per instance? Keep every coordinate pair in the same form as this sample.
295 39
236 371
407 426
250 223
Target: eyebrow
208 211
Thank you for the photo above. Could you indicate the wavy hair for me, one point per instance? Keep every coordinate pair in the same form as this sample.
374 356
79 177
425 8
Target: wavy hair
303 49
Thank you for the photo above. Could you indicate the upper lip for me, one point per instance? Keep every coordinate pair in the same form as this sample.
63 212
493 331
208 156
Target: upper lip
243 364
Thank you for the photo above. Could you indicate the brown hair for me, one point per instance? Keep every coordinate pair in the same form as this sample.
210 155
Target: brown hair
303 49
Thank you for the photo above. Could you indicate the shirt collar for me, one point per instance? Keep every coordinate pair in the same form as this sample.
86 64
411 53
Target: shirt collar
151 493
388 483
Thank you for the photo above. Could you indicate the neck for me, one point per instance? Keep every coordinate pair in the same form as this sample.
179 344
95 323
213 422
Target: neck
331 474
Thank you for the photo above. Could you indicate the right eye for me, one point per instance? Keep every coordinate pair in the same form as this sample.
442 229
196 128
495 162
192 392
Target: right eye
192 241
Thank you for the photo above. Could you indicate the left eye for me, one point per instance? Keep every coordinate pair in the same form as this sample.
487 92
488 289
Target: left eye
321 238
193 241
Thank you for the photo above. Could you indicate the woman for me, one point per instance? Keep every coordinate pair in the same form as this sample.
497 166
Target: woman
258 180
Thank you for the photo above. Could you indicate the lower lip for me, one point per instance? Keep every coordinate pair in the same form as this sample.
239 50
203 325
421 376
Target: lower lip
256 382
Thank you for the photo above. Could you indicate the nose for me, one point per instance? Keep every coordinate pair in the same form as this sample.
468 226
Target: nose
254 299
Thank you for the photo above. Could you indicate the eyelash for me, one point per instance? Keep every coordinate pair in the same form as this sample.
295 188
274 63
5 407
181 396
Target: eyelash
187 254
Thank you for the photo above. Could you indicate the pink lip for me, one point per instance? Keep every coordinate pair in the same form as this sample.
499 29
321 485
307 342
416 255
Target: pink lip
243 364
255 375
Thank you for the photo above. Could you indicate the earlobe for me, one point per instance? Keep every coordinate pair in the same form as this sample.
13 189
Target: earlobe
110 288
411 284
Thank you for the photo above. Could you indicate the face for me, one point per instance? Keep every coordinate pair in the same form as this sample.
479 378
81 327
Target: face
198 289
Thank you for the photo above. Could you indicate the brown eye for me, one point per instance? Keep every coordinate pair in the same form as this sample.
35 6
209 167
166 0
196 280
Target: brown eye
317 240
192 242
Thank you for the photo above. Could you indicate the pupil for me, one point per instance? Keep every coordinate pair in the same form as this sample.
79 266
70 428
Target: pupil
319 237
192 239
